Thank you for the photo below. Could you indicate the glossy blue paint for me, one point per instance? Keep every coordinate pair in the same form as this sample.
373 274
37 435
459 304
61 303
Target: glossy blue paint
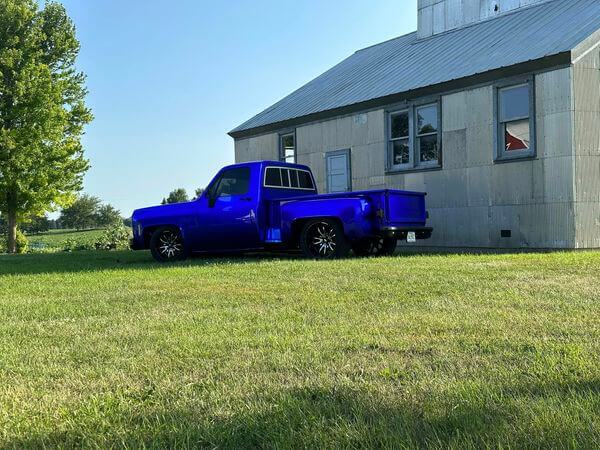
239 212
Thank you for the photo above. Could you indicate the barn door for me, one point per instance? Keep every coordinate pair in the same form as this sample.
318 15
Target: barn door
338 169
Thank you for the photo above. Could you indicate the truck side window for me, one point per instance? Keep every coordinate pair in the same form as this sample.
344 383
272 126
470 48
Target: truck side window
234 182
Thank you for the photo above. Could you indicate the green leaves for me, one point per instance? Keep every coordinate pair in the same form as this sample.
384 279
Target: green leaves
42 108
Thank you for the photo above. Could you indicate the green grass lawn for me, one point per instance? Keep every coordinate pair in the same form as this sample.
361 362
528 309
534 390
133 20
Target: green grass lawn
110 349
55 239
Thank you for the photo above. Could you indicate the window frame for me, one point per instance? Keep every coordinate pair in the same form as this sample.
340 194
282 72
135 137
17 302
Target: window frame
437 133
500 152
391 140
415 163
280 168
282 157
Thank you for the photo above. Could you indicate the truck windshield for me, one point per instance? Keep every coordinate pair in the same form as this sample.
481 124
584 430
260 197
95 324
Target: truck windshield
284 178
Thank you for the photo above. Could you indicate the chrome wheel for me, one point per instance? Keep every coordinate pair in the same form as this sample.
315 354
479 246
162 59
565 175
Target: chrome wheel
322 239
379 246
375 246
170 245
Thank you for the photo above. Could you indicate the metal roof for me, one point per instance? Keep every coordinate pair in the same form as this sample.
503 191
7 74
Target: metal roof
407 63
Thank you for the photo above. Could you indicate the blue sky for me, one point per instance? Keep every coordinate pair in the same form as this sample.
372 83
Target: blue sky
169 79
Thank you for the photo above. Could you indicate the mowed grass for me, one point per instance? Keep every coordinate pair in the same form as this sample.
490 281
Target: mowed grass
106 350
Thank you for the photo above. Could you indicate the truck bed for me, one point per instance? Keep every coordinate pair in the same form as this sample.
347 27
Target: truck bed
386 210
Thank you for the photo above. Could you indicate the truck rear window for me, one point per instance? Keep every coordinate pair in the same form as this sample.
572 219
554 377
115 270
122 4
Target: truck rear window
283 178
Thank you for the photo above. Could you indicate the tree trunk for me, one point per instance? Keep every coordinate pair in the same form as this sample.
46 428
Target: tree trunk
12 232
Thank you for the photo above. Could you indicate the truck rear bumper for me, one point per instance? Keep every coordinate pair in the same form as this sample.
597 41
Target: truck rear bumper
402 232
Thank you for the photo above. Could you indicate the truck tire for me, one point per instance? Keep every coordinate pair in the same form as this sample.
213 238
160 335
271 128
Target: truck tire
375 247
324 239
166 245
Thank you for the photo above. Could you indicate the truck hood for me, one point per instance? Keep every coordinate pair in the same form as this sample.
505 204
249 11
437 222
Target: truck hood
154 212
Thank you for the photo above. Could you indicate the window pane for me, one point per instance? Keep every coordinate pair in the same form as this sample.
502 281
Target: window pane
516 135
305 180
273 177
428 148
290 160
400 152
235 182
288 148
514 103
285 178
295 183
399 125
427 119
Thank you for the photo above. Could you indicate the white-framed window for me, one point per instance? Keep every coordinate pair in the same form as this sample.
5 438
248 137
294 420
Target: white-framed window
288 178
287 147
400 154
515 121
414 137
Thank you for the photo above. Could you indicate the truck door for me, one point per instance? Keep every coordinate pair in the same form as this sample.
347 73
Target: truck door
229 219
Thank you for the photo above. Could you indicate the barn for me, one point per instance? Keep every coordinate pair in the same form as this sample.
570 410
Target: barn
492 107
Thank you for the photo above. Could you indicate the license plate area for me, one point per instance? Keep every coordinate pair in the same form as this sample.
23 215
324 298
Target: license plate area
411 237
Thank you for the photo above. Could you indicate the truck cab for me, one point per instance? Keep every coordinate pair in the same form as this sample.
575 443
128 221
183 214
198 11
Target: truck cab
264 205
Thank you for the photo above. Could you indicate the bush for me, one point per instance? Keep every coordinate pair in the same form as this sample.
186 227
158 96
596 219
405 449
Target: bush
22 243
73 245
114 238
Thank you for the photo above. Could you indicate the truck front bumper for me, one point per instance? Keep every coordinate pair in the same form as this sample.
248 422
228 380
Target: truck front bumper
402 232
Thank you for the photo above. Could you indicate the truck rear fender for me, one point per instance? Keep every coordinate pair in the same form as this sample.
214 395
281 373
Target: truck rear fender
353 214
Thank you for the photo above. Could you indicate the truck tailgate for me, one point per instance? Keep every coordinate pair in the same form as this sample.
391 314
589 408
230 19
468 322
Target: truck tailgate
403 208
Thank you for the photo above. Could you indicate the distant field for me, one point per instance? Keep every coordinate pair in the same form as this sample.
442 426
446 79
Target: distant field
54 239
101 349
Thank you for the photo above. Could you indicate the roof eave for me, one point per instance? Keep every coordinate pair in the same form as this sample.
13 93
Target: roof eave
540 64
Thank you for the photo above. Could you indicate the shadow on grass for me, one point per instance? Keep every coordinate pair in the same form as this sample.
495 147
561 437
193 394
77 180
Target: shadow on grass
89 261
92 261
342 418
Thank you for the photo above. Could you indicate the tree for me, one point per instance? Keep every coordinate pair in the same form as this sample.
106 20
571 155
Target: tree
82 214
176 196
199 192
107 215
36 225
42 111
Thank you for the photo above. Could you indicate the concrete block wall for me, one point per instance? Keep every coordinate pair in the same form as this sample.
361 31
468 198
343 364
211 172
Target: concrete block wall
586 148
437 16
472 199
363 134
259 148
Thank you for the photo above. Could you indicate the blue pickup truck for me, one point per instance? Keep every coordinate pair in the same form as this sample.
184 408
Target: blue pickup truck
270 205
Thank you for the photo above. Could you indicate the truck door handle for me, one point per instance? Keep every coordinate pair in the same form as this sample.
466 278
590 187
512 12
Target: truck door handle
246 199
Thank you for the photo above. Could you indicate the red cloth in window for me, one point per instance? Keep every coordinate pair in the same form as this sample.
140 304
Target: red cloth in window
514 143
